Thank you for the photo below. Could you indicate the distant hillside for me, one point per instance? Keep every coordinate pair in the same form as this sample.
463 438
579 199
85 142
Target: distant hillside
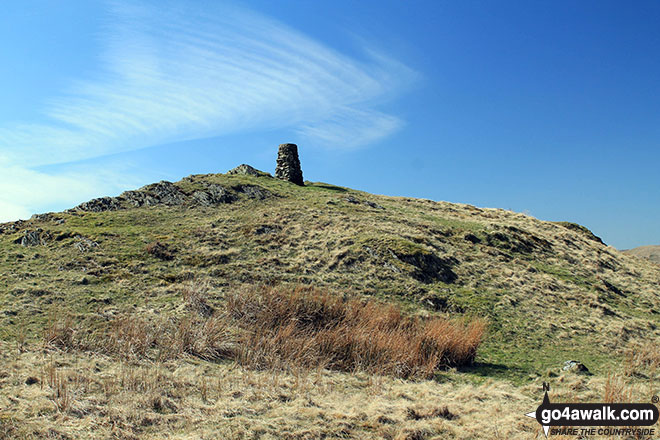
650 252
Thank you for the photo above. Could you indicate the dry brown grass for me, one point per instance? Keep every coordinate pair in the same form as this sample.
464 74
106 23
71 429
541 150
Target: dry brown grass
60 332
306 327
131 337
643 359
617 390
159 250
187 398
288 328
61 397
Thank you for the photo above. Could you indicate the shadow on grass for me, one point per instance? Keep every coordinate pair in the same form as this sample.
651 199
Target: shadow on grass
329 187
498 371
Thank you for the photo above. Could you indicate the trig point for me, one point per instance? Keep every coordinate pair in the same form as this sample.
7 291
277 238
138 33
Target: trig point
288 164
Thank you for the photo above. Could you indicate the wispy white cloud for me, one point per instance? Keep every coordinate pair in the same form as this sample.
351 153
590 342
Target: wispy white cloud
174 71
348 128
24 191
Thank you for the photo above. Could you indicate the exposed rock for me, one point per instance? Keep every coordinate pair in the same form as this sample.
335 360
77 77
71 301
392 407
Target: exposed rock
576 367
32 238
139 198
46 217
247 170
355 201
253 191
101 204
213 195
166 193
163 192
288 164
10 228
373 205
83 244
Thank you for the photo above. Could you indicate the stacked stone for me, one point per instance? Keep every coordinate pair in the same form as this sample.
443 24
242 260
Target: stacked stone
288 164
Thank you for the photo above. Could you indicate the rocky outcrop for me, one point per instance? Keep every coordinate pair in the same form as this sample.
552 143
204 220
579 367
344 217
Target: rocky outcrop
12 227
213 194
247 170
161 193
138 198
253 191
167 193
32 238
288 164
99 205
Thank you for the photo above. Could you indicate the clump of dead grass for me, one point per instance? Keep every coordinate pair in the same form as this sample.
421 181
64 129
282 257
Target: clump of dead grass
307 327
159 250
286 328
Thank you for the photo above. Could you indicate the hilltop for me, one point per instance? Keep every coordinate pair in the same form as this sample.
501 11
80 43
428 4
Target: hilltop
550 292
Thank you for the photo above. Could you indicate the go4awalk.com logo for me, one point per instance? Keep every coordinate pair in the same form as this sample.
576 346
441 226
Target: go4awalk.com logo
618 419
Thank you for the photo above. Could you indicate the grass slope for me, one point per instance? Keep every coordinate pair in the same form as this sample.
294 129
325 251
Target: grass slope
550 292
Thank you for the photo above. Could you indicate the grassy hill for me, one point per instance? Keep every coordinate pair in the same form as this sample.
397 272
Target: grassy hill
649 252
171 257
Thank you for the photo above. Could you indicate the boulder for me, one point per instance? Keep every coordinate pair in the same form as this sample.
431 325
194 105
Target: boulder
576 367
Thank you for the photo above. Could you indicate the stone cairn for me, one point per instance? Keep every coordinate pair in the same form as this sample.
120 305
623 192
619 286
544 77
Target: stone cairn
288 164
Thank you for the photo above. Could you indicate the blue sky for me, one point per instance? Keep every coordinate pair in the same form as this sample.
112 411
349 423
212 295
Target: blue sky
547 108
